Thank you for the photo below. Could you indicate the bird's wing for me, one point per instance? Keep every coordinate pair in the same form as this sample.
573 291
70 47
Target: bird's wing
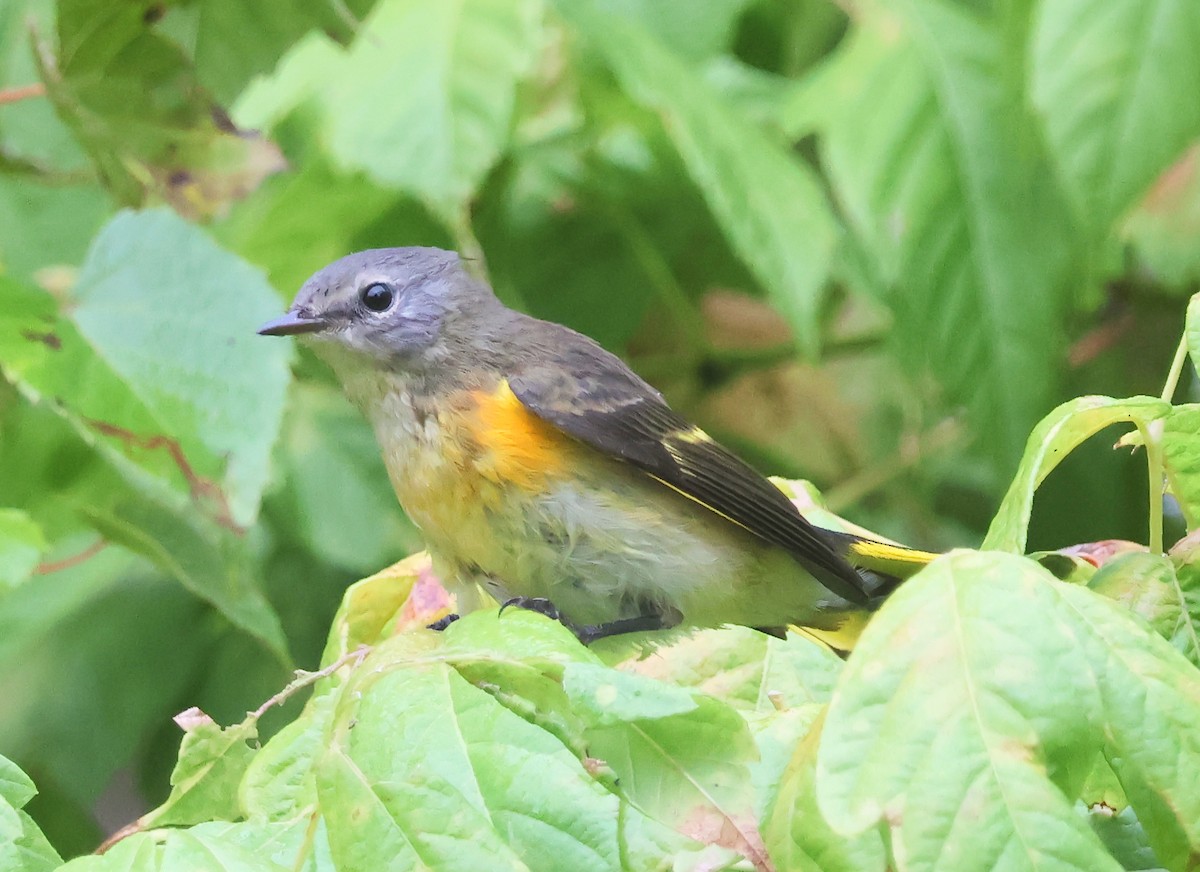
593 397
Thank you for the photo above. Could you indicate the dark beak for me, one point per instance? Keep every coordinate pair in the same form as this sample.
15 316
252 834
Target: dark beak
291 324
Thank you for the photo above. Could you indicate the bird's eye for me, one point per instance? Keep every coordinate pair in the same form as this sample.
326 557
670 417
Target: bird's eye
377 297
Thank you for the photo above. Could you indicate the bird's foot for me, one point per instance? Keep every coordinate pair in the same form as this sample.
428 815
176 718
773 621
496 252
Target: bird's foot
442 623
543 606
538 604
587 634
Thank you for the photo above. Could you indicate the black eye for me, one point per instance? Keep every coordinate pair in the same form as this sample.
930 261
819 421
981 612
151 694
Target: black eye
377 297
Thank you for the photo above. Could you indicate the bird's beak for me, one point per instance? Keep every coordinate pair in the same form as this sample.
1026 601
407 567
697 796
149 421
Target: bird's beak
292 323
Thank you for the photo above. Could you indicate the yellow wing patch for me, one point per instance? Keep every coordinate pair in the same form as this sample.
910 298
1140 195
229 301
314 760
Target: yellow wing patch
517 446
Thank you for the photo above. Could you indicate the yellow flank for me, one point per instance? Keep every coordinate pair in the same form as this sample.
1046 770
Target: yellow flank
517 447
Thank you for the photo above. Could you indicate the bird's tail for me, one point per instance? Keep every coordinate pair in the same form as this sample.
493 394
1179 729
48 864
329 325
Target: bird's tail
884 567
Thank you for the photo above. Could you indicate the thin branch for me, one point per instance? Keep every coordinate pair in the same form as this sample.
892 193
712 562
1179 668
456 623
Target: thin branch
74 560
21 92
305 679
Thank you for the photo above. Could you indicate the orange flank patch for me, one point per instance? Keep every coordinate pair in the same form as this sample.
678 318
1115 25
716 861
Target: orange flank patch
517 446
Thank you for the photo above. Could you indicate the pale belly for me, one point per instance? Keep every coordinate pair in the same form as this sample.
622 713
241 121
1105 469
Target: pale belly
611 545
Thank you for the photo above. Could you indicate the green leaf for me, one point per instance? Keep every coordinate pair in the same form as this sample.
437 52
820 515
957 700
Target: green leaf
1181 459
934 158
23 847
203 557
21 546
999 736
46 226
1151 586
16 788
236 41
298 222
796 833
1052 440
692 30
436 772
280 781
662 756
175 316
212 762
248 846
766 202
1185 633
1015 684
1110 79
1124 838
605 697
747 669
143 508
1150 701
133 102
439 134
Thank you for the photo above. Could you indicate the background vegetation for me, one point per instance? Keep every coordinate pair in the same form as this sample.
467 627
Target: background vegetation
869 245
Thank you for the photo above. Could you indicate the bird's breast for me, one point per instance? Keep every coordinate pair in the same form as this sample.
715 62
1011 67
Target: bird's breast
460 459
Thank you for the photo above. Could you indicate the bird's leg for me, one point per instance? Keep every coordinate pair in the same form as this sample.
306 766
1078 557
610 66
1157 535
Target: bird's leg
587 634
639 624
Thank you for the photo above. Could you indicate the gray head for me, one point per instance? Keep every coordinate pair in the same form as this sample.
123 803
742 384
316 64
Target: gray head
392 304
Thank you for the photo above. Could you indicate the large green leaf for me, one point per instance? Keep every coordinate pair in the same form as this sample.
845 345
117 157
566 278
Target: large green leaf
1113 81
172 399
766 201
423 100
934 160
1014 684
175 316
430 759
1052 440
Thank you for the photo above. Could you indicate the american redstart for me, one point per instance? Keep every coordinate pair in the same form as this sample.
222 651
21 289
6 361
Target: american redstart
541 469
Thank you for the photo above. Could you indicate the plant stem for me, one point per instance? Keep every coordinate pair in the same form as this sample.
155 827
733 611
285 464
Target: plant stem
1181 354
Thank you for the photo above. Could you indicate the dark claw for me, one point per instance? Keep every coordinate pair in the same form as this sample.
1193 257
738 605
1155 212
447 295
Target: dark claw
442 623
538 604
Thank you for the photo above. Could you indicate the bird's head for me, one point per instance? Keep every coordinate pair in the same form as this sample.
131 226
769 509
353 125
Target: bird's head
392 305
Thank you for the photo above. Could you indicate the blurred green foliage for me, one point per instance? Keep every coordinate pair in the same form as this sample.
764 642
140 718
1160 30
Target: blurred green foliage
870 245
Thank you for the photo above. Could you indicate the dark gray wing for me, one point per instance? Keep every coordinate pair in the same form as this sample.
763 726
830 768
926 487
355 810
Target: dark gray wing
592 396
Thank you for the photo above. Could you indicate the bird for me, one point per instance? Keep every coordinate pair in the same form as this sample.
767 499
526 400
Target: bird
542 471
